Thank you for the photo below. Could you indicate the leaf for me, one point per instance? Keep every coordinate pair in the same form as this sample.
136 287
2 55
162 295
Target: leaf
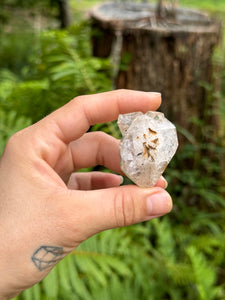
76 281
63 74
37 292
51 285
64 278
9 124
27 294
89 267
203 275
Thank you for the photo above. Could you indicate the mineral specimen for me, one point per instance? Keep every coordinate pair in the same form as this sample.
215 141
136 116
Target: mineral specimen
149 142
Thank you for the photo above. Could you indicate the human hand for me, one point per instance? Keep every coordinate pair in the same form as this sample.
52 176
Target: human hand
47 210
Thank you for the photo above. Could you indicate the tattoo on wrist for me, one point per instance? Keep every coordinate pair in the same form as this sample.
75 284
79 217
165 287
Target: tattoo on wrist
47 256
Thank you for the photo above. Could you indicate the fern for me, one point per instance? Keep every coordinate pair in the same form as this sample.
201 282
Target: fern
203 274
176 257
62 68
9 124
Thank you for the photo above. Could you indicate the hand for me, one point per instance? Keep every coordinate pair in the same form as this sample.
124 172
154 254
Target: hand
46 210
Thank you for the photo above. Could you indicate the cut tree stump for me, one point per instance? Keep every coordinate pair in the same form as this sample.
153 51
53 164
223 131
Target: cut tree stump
173 56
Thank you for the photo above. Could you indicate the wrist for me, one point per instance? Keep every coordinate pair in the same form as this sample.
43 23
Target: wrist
7 294
4 297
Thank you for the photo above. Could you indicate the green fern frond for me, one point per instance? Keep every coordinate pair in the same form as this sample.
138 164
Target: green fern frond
9 124
51 285
204 275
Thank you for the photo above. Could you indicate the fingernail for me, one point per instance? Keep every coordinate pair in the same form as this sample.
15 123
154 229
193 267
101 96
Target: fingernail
159 204
121 179
155 93
165 182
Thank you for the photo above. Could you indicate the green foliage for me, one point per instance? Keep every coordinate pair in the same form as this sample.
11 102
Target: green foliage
9 124
149 261
217 6
28 3
203 274
62 67
180 256
17 52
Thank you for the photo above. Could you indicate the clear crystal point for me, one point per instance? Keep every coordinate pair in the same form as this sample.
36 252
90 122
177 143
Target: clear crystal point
149 142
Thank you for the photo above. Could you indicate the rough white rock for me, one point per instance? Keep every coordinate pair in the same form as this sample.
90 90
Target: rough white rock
149 142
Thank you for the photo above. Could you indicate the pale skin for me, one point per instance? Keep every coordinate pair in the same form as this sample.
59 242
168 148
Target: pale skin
46 208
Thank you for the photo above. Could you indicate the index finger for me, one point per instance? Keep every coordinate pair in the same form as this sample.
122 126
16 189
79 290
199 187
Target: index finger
75 118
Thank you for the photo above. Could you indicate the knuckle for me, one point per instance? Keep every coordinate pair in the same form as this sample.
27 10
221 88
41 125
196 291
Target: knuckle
121 91
101 137
79 99
14 141
98 136
119 94
124 209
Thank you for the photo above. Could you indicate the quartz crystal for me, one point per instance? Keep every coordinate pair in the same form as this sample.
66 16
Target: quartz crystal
149 142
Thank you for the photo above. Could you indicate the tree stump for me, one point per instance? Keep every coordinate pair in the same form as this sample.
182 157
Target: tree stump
173 56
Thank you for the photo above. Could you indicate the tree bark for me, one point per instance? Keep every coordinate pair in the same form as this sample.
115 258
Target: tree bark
174 58
64 13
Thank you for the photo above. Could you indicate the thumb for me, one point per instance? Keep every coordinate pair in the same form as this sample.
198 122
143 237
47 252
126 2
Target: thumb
121 206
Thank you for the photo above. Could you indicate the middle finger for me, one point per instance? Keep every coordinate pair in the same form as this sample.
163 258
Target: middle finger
93 148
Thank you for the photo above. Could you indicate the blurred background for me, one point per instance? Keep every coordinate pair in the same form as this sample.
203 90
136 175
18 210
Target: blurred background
54 50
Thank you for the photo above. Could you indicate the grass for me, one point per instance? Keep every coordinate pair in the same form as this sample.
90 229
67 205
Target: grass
210 5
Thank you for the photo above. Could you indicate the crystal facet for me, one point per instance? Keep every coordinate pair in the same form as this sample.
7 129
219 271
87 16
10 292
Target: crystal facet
149 142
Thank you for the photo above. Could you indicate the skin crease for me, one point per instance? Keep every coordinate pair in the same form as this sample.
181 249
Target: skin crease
43 202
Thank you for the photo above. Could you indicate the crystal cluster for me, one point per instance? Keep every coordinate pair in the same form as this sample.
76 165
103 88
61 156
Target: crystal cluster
149 142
